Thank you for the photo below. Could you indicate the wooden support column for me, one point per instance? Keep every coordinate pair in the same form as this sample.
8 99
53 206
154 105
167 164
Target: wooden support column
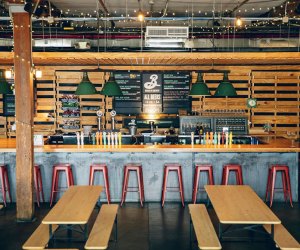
24 115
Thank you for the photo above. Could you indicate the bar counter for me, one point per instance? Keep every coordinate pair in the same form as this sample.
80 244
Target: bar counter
254 159
272 144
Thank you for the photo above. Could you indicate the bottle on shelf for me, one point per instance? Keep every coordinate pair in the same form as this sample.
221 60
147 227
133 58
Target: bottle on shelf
201 129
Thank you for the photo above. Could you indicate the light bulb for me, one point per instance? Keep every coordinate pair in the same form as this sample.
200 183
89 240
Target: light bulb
8 74
38 74
238 22
141 16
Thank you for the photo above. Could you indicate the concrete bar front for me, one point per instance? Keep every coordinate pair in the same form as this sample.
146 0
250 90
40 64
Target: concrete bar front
254 159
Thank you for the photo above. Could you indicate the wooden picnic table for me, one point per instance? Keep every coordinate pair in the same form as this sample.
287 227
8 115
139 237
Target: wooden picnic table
73 208
239 204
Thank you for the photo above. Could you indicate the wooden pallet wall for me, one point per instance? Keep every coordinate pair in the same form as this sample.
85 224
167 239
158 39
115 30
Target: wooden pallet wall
45 103
211 104
66 84
278 96
277 92
2 119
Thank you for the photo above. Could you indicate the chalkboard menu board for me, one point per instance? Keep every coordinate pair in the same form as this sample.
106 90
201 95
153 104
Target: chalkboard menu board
176 90
9 102
149 92
131 101
9 105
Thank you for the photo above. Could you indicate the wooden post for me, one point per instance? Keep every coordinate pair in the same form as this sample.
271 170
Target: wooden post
24 115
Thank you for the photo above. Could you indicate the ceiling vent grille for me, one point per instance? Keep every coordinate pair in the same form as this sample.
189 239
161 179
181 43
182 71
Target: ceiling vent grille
167 32
166 36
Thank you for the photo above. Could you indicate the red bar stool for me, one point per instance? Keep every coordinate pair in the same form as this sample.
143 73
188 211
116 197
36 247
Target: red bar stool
198 169
286 183
237 169
127 169
172 167
100 168
38 184
4 184
64 167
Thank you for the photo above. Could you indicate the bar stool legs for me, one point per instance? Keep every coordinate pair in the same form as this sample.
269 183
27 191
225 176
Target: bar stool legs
4 184
100 167
128 168
238 173
172 167
198 169
38 184
55 178
286 183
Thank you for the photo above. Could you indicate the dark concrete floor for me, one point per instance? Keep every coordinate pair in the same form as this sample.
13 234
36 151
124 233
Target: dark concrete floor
150 228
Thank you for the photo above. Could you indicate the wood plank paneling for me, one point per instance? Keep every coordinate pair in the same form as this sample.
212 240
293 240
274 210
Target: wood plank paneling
278 96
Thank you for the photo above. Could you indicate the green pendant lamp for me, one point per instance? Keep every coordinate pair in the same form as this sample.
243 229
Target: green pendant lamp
225 88
111 88
86 87
199 88
4 85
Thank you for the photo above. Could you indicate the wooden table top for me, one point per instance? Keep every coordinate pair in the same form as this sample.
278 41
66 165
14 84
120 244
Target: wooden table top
239 205
75 206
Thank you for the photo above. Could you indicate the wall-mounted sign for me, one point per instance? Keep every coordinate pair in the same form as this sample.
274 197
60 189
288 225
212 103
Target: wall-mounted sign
131 101
176 92
152 93
146 92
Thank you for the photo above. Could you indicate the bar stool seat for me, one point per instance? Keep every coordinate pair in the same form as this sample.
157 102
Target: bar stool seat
198 169
38 184
286 183
58 168
129 167
167 168
237 169
4 184
100 168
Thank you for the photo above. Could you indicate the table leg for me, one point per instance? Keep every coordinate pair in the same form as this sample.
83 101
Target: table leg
190 233
116 230
50 232
272 231
85 232
220 231
69 232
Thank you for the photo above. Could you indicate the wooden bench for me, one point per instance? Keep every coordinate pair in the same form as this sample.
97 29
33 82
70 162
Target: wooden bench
101 231
40 237
204 229
283 239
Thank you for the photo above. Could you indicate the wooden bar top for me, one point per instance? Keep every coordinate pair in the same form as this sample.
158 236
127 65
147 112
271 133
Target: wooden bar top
273 144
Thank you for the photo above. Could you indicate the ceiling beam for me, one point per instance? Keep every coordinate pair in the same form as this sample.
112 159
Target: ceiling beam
103 6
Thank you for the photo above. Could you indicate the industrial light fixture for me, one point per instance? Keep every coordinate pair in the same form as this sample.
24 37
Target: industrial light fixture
225 88
4 85
86 87
28 7
238 22
111 88
199 88
140 16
